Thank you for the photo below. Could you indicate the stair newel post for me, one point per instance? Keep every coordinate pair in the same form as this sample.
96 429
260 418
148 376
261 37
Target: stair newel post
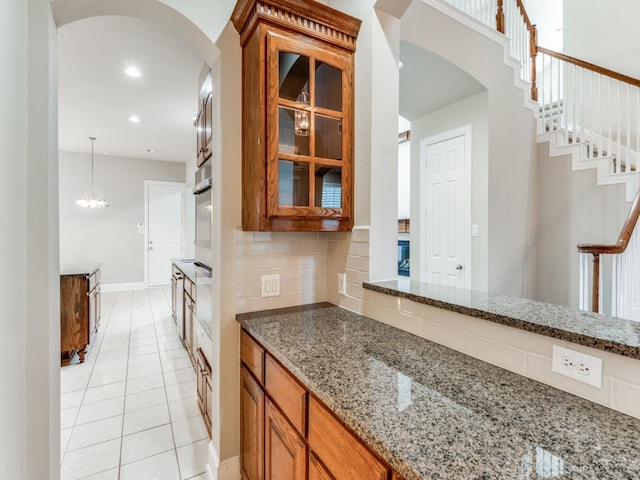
500 17
595 288
533 50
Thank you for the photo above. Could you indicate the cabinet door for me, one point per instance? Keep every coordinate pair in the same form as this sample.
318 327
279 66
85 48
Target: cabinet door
285 452
188 325
317 471
92 314
310 144
251 427
207 134
343 454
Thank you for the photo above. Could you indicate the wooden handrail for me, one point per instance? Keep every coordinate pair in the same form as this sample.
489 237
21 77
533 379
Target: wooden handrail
623 239
590 66
523 11
619 247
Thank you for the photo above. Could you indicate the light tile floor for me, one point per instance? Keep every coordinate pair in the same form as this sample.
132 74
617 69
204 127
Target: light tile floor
129 411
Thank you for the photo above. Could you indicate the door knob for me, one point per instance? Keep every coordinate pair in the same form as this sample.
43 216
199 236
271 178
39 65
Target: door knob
459 267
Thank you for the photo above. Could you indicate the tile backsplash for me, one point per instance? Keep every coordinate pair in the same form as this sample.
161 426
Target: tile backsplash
299 258
309 263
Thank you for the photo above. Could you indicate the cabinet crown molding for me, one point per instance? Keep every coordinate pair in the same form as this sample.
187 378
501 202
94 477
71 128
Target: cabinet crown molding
307 17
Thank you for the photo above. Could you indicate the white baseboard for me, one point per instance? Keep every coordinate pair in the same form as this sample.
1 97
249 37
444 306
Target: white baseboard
229 469
120 287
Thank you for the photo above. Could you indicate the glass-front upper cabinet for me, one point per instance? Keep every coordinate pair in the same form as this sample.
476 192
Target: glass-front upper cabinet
297 164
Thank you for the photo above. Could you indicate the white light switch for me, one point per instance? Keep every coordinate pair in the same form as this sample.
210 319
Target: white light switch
270 285
474 230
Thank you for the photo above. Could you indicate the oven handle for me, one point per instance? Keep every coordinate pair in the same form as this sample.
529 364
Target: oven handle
203 186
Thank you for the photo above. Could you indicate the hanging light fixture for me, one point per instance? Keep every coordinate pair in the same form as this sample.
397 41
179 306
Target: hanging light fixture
91 201
302 124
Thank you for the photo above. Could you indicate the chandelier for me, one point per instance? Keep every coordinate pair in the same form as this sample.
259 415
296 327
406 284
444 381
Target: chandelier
91 201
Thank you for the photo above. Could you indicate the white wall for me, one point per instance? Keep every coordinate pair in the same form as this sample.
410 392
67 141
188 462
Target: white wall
474 111
108 235
572 209
604 33
511 170
29 298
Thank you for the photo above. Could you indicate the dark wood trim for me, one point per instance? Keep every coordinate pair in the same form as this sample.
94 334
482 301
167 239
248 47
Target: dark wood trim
332 25
524 14
590 66
623 239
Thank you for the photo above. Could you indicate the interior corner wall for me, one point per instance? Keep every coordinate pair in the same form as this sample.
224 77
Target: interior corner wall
512 174
108 235
29 339
472 110
13 239
572 209
227 217
604 33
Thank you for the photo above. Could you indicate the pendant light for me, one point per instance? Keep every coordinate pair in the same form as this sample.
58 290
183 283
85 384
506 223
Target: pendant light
91 201
302 124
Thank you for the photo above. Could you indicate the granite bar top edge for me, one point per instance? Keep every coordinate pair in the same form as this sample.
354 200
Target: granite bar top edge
627 347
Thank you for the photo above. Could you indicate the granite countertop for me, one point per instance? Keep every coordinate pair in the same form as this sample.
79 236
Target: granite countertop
603 332
434 413
79 268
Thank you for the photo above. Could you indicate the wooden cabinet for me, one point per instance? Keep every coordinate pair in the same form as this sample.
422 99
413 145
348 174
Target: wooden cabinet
203 388
285 453
297 115
80 309
285 432
204 119
344 456
189 316
251 427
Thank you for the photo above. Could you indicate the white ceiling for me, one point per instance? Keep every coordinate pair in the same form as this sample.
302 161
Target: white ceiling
96 98
428 82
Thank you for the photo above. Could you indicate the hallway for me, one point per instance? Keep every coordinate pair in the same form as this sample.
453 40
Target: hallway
129 412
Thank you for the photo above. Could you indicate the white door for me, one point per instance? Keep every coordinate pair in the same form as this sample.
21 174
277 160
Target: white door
445 238
164 207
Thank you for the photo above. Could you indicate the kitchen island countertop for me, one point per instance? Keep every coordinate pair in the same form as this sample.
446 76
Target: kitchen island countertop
434 413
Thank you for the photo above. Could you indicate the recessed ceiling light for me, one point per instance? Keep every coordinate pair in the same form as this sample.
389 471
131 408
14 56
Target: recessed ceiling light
134 119
151 150
133 72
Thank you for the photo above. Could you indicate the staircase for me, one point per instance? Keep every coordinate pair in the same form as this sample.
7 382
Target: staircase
593 115
584 110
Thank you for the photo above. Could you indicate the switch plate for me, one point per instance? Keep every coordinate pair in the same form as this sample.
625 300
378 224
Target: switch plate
474 230
577 365
342 283
270 285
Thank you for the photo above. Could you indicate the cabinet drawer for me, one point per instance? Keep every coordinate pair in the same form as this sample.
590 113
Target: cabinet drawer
344 455
94 279
290 396
252 355
189 288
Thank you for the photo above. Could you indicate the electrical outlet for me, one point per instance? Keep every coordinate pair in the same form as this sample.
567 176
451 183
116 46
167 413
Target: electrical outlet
577 365
342 283
270 285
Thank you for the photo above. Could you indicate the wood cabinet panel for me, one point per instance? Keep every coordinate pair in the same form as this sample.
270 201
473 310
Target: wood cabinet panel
290 396
285 451
251 427
79 313
341 451
317 471
252 355
203 388
296 175
189 317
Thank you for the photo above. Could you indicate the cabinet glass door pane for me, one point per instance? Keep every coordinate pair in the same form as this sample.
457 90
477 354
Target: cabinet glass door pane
328 137
328 86
328 185
293 75
293 184
288 141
